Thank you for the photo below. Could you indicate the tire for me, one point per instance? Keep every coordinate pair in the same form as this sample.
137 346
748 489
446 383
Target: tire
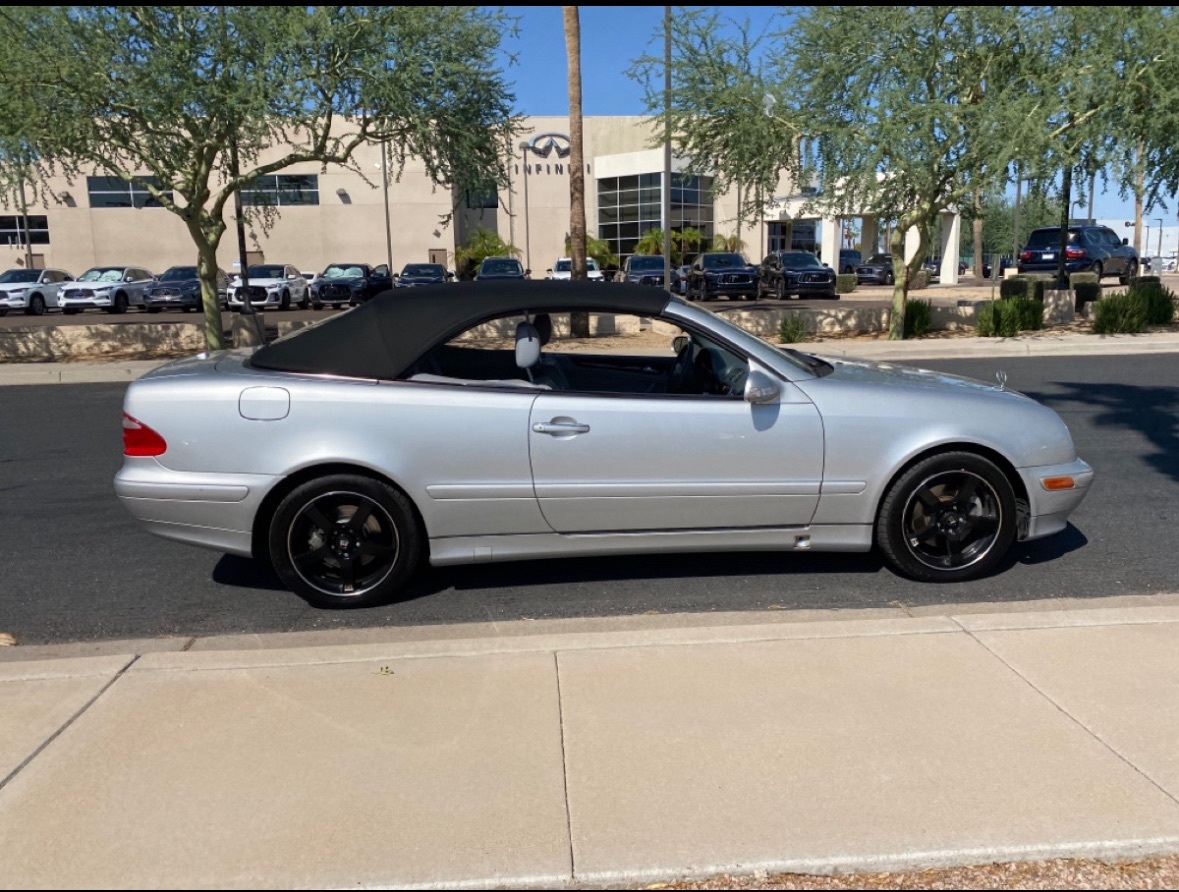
317 306
332 570
1130 274
1099 270
36 306
889 278
120 304
950 517
3 311
285 302
780 291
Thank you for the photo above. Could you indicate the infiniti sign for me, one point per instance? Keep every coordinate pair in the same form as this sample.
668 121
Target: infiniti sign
545 144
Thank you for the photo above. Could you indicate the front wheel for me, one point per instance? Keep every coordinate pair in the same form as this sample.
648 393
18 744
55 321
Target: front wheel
1130 274
1099 271
285 302
36 306
948 518
120 304
780 291
345 540
889 278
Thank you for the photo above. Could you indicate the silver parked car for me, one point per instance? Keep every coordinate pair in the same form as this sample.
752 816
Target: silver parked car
350 451
32 290
109 288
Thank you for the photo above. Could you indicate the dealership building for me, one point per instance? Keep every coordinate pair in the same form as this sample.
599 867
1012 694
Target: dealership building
326 214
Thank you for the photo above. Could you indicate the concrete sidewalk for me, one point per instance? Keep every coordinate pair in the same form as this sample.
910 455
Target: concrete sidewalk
1031 344
599 752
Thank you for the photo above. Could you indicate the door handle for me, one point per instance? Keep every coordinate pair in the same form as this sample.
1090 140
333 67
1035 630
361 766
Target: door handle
560 427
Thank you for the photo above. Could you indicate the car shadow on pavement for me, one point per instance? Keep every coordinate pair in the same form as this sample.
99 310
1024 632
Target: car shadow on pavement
243 572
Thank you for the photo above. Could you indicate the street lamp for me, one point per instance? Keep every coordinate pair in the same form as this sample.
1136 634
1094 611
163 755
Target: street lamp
384 167
1146 239
523 146
1160 221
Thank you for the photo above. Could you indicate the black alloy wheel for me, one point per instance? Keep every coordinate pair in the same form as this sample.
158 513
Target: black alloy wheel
345 540
949 517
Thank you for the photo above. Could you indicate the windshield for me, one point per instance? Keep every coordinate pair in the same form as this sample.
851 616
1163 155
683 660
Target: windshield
800 260
881 259
1049 238
343 271
509 267
266 272
178 274
563 266
646 263
18 275
723 261
423 269
102 274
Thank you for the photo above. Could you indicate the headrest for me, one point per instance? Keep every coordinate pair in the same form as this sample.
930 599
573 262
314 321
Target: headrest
544 327
527 345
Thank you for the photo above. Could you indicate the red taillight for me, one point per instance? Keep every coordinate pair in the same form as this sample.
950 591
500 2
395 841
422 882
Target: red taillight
139 439
1025 256
1074 253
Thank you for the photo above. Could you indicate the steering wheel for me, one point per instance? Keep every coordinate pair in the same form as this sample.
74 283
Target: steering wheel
682 372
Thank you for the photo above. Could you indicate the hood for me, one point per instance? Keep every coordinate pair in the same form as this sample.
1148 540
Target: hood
181 284
910 376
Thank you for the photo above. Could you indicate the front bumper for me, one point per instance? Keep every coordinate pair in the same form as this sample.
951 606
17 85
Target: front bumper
880 278
100 302
172 301
730 289
14 301
813 289
272 300
1049 510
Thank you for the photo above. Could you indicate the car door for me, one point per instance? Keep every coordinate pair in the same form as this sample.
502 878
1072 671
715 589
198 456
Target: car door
650 462
1119 254
140 280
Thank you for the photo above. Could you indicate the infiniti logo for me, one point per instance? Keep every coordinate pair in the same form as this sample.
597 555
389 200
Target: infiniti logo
545 144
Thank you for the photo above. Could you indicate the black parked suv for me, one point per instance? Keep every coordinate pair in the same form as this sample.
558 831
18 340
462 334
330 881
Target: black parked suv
643 269
849 259
1095 249
784 273
349 283
722 274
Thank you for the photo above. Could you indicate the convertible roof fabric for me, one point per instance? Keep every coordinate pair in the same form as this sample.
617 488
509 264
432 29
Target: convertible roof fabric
385 336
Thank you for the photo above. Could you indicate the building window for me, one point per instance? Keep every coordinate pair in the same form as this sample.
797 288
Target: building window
113 192
483 198
12 231
629 206
282 190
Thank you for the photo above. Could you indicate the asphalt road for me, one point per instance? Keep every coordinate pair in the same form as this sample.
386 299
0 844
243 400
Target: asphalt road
75 567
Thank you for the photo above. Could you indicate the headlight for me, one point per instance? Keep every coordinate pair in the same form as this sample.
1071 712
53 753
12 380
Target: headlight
16 292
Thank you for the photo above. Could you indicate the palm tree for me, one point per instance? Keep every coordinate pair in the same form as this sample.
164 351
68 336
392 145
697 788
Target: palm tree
481 243
651 242
690 239
597 248
578 322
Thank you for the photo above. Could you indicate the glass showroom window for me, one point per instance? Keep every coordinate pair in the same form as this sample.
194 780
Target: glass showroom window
629 206
282 190
12 231
113 192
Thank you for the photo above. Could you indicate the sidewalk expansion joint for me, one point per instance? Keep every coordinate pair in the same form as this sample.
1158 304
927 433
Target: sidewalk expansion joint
68 722
1076 721
564 765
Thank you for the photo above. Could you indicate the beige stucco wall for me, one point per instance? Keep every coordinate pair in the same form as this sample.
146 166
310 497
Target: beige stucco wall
349 225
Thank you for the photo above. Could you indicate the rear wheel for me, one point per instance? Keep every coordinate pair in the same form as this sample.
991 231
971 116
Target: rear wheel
345 541
949 517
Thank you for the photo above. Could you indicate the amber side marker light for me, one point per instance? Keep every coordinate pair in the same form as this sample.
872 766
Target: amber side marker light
139 439
1058 483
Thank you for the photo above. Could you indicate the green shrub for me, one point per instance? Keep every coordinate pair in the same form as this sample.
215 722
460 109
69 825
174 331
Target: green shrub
1037 285
1013 287
845 283
1006 318
920 280
1086 292
1158 301
1076 278
1120 314
918 317
792 329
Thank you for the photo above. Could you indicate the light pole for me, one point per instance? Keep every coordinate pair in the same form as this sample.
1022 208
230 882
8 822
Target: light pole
1160 222
384 166
1146 240
524 172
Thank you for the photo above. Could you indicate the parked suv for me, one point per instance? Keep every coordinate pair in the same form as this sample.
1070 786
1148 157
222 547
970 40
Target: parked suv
849 259
1095 249
722 274
501 268
643 269
31 290
349 284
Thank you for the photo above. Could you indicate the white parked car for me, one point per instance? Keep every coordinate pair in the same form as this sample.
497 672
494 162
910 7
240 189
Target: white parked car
272 286
109 288
562 270
31 290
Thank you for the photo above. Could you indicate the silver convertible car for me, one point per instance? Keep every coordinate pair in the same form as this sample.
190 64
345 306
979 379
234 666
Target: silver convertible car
458 424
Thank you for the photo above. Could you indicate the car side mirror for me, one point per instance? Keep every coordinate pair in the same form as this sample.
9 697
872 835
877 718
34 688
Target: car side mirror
760 388
549 271
528 272
396 275
679 343
449 274
1125 241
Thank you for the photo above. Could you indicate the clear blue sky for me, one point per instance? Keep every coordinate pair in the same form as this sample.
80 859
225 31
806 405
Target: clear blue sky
612 37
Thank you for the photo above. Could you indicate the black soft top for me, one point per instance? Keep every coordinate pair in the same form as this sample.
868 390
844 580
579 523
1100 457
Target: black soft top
385 336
